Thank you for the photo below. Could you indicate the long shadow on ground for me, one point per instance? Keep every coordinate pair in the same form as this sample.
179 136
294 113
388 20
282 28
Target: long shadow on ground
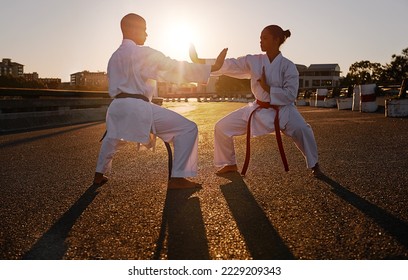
183 223
391 224
52 246
14 143
262 239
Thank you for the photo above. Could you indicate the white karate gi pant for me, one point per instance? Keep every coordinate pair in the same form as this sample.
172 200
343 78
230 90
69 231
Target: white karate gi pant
171 127
262 122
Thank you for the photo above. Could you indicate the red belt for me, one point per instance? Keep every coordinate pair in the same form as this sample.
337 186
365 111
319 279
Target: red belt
264 105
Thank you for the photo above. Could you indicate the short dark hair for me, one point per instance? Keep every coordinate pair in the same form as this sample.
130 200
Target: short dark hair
277 31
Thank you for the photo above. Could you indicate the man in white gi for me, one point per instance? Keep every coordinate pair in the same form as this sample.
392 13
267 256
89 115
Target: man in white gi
274 83
132 117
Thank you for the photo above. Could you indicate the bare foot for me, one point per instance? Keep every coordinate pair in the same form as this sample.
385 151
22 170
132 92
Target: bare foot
227 169
100 179
316 172
181 183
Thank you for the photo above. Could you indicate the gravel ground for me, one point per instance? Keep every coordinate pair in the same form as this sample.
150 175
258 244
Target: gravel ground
357 210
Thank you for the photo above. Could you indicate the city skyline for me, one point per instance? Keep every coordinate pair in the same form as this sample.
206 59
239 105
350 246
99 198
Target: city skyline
58 38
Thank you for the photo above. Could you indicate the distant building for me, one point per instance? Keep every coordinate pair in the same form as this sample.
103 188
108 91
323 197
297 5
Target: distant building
89 79
166 88
8 68
47 82
319 76
186 88
50 80
31 76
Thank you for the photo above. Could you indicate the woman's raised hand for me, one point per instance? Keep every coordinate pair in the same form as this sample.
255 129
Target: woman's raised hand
262 81
220 60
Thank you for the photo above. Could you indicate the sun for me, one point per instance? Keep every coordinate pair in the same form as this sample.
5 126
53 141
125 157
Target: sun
179 37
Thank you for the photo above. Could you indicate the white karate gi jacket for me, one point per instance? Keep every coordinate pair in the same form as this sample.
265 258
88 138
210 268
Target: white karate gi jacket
130 70
281 75
283 79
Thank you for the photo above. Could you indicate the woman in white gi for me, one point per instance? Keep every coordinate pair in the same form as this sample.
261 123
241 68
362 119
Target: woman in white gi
274 81
132 117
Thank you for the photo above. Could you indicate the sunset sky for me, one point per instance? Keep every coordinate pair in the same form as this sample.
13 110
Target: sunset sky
56 38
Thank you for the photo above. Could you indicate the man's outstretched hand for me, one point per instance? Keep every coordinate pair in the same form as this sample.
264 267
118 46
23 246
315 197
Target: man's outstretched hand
194 56
218 63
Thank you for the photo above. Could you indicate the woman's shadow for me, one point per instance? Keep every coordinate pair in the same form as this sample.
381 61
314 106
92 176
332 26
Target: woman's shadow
262 239
182 223
391 224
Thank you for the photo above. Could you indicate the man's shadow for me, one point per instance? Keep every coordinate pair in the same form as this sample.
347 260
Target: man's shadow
391 224
52 246
182 222
262 239
23 141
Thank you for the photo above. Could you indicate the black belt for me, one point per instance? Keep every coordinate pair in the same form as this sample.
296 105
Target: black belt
144 98
129 95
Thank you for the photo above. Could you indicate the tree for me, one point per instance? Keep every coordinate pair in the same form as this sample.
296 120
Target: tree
229 84
397 70
364 72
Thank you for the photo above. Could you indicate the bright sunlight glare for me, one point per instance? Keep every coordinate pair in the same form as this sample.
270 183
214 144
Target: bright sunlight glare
179 37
